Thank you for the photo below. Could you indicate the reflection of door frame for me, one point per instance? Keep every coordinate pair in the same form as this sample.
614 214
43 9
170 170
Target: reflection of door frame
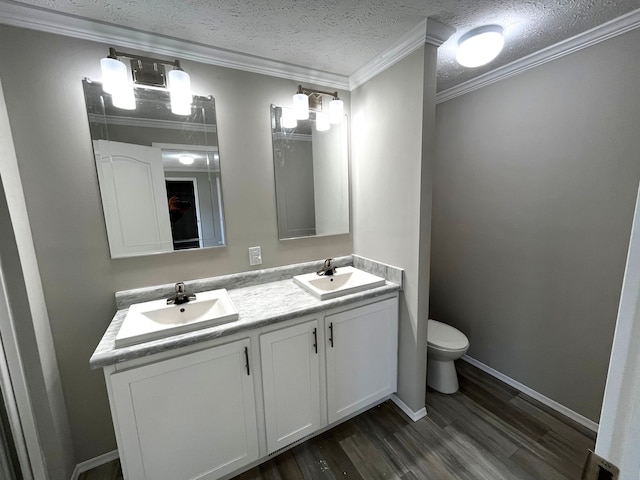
194 181
8 341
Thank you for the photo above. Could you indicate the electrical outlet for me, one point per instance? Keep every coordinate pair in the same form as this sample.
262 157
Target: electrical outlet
255 256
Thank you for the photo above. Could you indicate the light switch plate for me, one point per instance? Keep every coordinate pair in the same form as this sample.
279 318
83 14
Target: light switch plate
255 256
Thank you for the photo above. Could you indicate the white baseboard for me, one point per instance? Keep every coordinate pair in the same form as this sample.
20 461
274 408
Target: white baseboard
93 463
415 416
576 417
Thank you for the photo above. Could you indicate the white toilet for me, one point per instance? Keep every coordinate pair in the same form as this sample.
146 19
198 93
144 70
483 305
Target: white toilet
444 345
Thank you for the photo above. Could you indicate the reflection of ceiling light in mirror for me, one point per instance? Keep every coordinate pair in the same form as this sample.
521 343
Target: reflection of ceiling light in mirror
288 119
479 46
186 159
322 121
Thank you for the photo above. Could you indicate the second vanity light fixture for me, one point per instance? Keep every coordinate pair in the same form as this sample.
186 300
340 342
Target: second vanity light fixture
146 71
305 99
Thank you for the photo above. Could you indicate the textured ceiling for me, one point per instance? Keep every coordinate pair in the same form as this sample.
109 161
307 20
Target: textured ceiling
340 36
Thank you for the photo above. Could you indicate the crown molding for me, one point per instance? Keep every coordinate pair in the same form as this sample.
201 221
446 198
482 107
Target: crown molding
407 44
428 31
34 18
603 32
437 33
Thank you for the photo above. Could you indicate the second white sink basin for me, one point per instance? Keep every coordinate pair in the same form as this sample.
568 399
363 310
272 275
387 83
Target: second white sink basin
152 320
346 280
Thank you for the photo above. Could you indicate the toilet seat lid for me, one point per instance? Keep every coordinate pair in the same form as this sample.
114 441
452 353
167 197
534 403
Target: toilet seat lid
445 336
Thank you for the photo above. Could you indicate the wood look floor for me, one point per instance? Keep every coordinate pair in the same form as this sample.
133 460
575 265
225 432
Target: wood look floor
487 430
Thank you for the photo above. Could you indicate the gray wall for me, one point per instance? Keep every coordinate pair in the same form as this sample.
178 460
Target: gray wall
389 164
30 351
535 183
41 75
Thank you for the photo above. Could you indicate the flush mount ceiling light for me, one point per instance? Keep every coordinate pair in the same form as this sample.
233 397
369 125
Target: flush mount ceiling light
146 72
306 98
479 46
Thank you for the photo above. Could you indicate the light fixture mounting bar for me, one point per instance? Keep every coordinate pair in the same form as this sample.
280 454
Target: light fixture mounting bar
309 91
114 53
315 96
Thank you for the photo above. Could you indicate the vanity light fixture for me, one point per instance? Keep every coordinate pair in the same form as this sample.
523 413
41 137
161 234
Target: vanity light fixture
306 98
148 72
180 90
114 82
479 46
336 110
186 159
300 105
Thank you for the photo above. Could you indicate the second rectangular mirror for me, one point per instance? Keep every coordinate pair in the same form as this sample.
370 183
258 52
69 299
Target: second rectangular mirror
311 176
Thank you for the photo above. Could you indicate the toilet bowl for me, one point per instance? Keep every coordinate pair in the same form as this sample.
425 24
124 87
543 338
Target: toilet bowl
444 345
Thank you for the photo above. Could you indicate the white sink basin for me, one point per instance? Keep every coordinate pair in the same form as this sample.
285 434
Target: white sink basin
152 320
346 280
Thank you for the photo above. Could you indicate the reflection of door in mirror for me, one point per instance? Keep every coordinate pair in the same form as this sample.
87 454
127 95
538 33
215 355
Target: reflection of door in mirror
184 213
204 175
134 198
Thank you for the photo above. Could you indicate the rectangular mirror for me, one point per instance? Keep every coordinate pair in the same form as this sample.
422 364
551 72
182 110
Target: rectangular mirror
311 177
159 173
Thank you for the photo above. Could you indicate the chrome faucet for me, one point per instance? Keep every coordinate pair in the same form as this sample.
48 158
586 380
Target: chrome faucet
327 268
181 295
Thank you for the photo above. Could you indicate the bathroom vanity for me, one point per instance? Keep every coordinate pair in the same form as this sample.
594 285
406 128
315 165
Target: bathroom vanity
210 403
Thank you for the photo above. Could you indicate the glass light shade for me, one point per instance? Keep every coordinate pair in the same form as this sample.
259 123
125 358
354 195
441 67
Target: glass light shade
124 98
336 111
288 119
114 74
479 46
322 121
186 159
180 92
301 106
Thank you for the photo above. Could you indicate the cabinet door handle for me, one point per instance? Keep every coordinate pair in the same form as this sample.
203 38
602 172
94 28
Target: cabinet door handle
331 334
315 339
246 357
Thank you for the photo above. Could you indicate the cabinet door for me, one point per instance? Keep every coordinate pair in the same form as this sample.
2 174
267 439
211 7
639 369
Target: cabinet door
362 357
291 382
190 417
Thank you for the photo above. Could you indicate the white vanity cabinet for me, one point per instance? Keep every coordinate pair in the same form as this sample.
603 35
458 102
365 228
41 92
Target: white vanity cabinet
359 349
188 417
362 357
291 383
207 411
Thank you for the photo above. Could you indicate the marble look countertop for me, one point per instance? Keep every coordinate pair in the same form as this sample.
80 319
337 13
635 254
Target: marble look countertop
257 304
